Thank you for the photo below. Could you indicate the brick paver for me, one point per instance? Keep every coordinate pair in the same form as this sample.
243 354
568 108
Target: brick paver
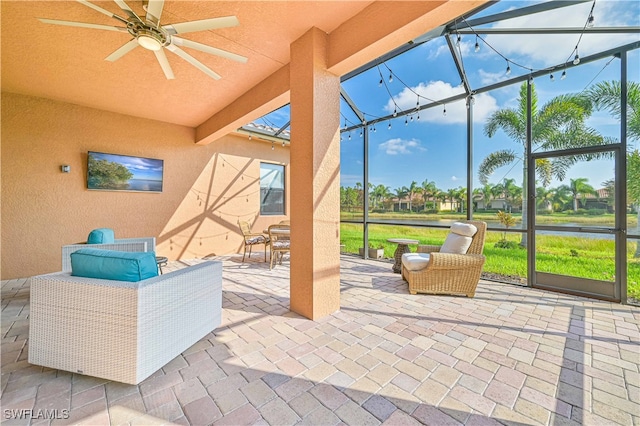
511 355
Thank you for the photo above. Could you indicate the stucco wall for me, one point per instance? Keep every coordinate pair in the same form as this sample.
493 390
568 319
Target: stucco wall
206 188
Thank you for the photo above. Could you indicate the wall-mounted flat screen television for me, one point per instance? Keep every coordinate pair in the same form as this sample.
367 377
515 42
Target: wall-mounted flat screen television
114 172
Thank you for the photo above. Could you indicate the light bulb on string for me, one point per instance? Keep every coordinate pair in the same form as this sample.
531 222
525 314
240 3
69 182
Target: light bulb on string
411 119
444 111
374 128
551 77
380 83
406 122
361 133
390 76
250 136
272 147
530 78
389 126
508 71
590 21
418 103
418 117
349 136
477 46
283 144
576 59
395 112
459 39
564 75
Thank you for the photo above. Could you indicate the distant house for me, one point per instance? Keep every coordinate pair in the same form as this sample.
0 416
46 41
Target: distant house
599 201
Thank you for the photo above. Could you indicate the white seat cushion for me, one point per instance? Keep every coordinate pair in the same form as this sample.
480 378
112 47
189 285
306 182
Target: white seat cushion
415 261
459 238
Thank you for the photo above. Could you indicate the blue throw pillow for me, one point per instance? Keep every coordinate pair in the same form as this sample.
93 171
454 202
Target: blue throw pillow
114 265
101 236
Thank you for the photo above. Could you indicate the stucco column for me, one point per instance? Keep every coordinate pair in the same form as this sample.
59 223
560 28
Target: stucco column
315 179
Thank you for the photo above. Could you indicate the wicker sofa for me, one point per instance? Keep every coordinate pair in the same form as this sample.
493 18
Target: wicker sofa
118 330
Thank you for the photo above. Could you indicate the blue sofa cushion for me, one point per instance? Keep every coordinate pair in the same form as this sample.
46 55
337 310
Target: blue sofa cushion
114 265
101 236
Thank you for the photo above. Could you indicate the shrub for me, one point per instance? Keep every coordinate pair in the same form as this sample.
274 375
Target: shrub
596 212
504 244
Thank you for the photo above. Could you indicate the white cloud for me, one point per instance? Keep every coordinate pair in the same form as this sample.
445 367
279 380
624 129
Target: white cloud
454 178
443 49
548 49
484 105
488 78
400 146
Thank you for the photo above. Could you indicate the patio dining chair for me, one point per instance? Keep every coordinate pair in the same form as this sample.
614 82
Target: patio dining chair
279 242
252 238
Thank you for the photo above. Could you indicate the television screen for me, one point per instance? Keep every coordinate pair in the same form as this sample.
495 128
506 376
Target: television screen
113 172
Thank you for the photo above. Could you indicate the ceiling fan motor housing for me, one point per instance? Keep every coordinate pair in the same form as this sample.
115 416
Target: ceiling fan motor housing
148 36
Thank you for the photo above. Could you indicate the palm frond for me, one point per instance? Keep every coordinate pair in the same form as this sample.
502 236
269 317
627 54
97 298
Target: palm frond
494 161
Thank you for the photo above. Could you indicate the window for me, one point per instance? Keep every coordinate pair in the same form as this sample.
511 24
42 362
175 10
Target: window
271 189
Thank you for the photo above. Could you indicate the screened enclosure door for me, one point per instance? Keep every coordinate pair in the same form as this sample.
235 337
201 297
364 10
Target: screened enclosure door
575 234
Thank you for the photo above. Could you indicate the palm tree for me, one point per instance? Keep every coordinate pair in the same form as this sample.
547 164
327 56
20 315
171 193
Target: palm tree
606 95
544 198
452 195
558 124
579 188
411 191
561 197
400 194
461 196
483 194
428 190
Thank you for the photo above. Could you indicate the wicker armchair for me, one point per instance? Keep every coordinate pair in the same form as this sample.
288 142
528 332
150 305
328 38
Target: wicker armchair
252 238
279 242
448 273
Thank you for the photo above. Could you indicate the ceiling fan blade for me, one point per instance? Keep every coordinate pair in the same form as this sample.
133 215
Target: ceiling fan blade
208 49
154 10
123 50
202 25
127 9
193 61
101 10
82 25
164 63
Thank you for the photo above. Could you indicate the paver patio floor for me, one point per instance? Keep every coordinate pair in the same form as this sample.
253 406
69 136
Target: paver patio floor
511 355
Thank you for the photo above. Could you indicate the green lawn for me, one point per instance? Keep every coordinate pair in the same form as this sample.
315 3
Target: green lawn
580 257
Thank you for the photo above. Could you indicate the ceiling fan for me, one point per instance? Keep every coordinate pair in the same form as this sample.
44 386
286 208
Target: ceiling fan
149 34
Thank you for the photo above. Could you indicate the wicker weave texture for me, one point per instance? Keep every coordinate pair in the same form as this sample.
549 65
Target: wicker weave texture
124 244
118 330
449 273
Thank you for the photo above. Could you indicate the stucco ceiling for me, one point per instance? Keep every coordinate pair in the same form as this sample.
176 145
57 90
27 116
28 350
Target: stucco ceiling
67 63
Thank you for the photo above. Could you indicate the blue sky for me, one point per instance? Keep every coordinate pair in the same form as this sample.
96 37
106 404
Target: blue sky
434 147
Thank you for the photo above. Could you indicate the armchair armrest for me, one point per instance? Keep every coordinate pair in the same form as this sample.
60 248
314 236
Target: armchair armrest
455 261
425 248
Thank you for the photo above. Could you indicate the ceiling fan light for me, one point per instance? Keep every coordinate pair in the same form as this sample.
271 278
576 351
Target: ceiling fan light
149 43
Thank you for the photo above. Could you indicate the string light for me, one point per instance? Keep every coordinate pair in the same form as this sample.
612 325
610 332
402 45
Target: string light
551 77
406 122
564 75
395 112
283 143
477 46
250 136
590 21
380 83
389 126
576 59
459 39
349 136
508 71
272 147
390 76
444 111
361 133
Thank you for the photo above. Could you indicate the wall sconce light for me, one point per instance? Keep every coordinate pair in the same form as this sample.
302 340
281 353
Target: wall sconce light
65 168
